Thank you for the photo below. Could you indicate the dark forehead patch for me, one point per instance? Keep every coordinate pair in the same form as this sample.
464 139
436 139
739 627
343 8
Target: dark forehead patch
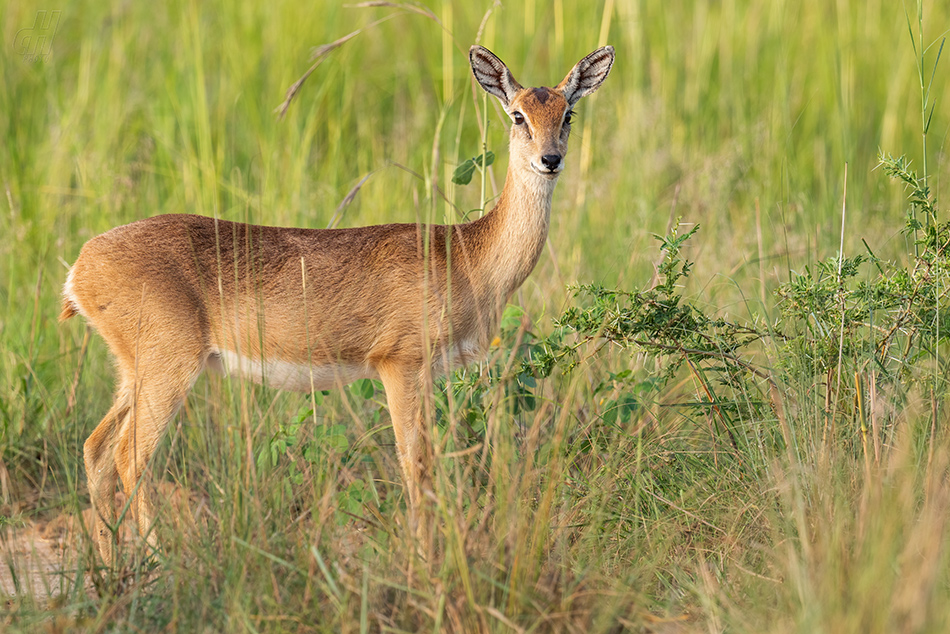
542 94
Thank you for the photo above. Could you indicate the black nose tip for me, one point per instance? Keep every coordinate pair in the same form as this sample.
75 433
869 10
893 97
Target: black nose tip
551 161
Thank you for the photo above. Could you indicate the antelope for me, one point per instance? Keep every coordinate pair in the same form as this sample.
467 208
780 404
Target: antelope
313 309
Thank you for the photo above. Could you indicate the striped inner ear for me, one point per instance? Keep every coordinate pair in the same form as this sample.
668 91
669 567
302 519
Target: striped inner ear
492 74
587 75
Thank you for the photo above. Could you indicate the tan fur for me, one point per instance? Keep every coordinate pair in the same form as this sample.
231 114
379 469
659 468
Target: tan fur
300 308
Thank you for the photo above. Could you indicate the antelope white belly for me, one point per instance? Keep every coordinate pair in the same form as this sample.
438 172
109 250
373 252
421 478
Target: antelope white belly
463 353
286 375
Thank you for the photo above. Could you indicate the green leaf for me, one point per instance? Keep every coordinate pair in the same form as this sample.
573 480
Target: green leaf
464 172
511 318
331 437
620 410
363 388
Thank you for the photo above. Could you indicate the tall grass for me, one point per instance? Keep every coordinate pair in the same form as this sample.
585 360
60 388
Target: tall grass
592 501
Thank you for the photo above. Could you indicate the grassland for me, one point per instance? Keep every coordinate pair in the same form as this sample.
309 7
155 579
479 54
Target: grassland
600 500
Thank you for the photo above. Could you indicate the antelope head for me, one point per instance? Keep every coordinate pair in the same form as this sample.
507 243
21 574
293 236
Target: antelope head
541 117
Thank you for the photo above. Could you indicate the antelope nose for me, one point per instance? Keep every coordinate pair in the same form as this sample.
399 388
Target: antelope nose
551 161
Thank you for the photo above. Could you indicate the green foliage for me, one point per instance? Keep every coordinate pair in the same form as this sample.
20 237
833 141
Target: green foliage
363 388
659 322
464 172
656 320
475 394
887 317
919 191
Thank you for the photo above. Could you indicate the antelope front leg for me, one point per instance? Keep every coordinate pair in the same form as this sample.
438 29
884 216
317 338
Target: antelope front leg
413 444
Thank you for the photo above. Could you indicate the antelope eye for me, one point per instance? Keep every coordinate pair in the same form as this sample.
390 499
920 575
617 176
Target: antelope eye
517 117
568 117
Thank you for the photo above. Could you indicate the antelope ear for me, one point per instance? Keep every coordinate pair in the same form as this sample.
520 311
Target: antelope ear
587 75
493 75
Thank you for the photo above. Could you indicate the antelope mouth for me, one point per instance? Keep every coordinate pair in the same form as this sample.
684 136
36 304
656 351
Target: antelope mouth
547 172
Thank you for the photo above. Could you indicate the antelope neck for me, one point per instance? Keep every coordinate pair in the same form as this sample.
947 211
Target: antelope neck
517 228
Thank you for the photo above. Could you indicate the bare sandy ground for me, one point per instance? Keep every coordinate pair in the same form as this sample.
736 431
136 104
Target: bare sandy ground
48 558
42 559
